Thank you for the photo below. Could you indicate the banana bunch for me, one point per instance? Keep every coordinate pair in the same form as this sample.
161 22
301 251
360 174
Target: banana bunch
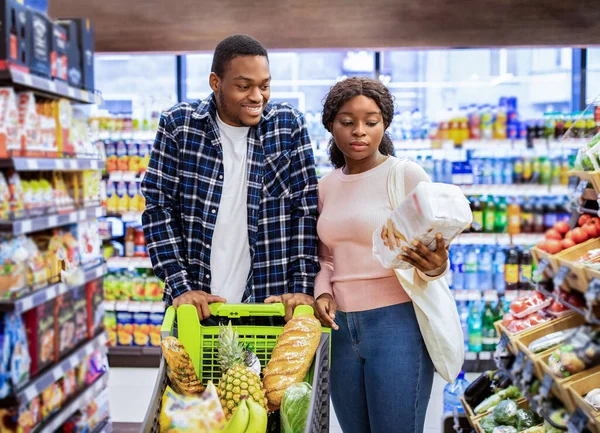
249 417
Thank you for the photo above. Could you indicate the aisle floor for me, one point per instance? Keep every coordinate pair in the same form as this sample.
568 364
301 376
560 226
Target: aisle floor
130 390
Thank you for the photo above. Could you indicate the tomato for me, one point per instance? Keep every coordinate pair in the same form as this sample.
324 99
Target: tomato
518 325
592 229
567 243
507 319
557 307
553 234
554 246
562 227
569 234
576 300
583 219
580 235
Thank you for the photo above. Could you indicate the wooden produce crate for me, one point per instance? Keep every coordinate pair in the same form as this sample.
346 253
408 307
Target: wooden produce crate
560 387
577 278
522 403
514 338
579 389
568 321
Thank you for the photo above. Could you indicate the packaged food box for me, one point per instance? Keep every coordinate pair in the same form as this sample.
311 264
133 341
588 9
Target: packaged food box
64 326
40 324
95 307
80 301
110 322
429 209
141 323
156 318
124 325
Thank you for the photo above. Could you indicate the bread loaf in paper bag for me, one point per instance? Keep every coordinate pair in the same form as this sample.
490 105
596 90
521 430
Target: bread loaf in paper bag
429 209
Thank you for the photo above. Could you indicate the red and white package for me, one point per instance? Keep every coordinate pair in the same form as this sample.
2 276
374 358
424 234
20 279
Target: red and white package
520 325
557 309
529 304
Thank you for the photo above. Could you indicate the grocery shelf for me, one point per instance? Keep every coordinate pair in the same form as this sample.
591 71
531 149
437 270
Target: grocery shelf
38 384
125 176
128 217
51 164
30 225
129 263
499 239
516 190
126 135
485 295
53 425
134 357
43 295
47 87
478 362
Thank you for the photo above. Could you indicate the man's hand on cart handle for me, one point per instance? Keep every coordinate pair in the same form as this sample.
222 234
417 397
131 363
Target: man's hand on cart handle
325 308
198 299
291 301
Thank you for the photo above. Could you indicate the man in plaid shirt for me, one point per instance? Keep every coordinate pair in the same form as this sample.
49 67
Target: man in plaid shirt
231 192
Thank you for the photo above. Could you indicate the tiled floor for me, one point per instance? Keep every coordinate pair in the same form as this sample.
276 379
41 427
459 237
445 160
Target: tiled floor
130 390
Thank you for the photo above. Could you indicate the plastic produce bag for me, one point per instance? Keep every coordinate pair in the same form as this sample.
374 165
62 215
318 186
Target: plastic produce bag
488 424
511 392
526 419
505 429
294 409
581 352
429 209
198 414
548 341
505 413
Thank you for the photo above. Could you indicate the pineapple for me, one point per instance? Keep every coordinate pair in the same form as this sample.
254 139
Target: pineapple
238 380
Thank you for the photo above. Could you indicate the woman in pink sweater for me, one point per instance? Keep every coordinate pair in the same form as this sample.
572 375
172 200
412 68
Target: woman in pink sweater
381 374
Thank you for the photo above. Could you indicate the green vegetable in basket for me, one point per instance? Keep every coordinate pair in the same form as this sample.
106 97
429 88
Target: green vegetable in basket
492 401
295 405
505 429
506 413
488 424
527 418
549 429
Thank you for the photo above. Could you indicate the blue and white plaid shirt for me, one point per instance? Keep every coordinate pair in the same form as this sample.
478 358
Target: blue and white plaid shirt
183 186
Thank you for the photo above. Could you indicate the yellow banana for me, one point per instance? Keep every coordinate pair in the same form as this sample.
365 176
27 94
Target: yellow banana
239 421
258 418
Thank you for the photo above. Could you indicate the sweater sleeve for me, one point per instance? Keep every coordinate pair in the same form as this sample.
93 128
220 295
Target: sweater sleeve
413 175
323 279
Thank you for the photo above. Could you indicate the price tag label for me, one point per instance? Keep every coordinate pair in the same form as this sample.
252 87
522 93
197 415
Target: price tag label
94 165
52 221
542 266
32 164
60 164
592 295
485 356
577 422
546 387
560 276
27 79
511 295
71 92
52 86
73 217
517 367
470 356
528 372
500 351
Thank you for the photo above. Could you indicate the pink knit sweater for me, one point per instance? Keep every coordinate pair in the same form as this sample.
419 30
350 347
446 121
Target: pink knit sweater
351 207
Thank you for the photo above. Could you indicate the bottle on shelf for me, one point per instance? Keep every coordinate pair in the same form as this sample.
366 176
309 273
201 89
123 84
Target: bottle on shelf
525 270
471 277
499 277
489 334
501 216
538 216
475 331
489 215
511 269
527 218
477 209
130 242
514 217
457 266
485 269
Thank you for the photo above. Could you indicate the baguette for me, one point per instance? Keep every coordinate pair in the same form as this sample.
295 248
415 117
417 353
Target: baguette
292 357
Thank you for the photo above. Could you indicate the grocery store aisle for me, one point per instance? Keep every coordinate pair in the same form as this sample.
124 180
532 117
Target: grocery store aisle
131 388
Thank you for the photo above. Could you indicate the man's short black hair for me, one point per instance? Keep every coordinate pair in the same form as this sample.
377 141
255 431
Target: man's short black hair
235 46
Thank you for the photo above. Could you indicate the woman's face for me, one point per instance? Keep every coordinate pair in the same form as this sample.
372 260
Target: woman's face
358 129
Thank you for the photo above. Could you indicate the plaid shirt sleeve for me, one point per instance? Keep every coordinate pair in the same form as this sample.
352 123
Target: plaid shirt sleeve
161 219
304 263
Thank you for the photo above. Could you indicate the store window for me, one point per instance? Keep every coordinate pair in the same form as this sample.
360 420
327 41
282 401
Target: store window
593 75
437 81
133 84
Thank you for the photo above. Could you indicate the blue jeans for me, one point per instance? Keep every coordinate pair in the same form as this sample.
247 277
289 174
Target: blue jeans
381 373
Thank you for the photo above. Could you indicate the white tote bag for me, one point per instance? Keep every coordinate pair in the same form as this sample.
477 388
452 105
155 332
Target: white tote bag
433 302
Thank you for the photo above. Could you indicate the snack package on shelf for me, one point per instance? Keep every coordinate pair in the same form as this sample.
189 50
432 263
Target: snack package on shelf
110 322
580 352
90 244
429 209
13 266
40 324
112 160
64 202
63 115
80 303
122 156
112 199
47 130
95 307
72 273
64 328
97 365
30 415
15 361
52 399
91 187
141 323
155 320
5 196
17 199
124 325
134 157
29 126
123 197
9 122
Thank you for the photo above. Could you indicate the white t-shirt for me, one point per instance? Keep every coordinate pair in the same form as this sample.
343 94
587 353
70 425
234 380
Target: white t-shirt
230 250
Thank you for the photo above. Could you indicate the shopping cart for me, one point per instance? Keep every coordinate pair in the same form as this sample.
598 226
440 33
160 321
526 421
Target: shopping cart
201 342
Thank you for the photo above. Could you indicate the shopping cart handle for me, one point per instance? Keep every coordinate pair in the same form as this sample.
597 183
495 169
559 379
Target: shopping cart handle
247 310
166 328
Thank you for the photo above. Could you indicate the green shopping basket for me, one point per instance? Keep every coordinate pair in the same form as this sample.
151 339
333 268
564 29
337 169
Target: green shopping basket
201 342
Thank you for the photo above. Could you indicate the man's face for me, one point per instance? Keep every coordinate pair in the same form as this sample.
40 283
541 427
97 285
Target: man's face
243 91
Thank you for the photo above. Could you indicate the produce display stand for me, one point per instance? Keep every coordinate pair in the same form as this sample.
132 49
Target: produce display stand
201 342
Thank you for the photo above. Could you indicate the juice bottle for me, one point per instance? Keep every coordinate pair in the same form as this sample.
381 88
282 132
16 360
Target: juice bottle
514 217
139 243
500 124
474 123
489 215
